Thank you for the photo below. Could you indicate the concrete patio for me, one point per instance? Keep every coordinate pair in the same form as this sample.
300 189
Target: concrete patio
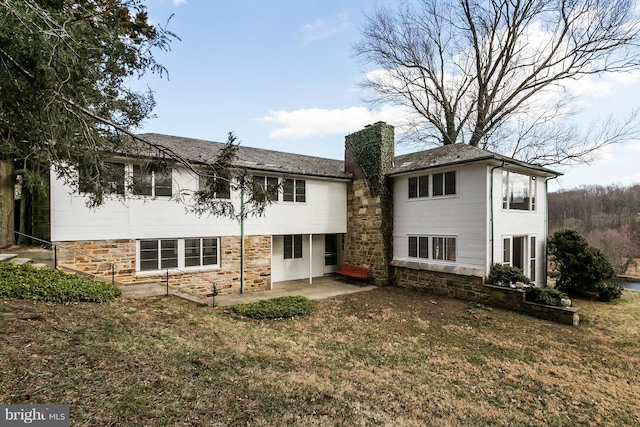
322 287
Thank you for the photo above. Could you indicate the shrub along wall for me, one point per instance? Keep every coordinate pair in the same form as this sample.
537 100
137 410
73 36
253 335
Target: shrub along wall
471 287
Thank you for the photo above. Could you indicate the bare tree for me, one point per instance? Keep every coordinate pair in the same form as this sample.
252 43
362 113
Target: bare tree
493 74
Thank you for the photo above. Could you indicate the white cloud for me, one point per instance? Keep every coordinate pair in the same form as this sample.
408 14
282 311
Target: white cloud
178 2
600 86
323 28
314 122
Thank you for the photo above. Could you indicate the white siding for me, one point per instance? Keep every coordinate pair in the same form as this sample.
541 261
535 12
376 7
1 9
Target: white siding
510 223
293 269
324 211
463 216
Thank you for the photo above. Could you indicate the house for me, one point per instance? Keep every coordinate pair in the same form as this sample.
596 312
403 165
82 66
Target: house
437 219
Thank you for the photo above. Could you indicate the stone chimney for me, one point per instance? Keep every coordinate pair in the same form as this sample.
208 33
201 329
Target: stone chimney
369 158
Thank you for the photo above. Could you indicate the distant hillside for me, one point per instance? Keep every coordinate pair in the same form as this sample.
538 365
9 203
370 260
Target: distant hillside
609 217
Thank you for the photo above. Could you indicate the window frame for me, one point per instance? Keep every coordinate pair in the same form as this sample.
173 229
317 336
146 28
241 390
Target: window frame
434 185
420 246
295 250
119 186
294 190
153 181
176 261
529 253
269 185
221 186
509 179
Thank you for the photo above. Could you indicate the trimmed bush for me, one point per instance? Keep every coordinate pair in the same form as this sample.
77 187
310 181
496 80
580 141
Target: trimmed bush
545 296
48 284
275 308
608 291
504 275
584 270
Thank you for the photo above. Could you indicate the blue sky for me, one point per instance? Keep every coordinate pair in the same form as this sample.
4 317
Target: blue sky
281 75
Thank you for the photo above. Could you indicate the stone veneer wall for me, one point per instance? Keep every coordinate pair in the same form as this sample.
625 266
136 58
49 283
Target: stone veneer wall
369 212
364 245
95 258
472 288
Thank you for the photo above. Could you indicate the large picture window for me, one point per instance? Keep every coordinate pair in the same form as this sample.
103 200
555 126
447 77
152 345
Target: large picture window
518 191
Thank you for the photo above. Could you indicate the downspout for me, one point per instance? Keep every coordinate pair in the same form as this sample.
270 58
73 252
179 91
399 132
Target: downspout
242 240
491 215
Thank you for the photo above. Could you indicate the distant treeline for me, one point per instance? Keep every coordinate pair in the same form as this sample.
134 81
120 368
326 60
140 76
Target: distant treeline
609 217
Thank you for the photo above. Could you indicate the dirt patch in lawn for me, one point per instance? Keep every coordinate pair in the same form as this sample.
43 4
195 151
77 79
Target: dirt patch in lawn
385 357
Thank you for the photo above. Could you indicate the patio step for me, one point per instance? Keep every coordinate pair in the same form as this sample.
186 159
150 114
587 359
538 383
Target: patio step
20 261
7 257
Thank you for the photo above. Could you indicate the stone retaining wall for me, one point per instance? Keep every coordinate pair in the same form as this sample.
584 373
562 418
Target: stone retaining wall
471 287
95 257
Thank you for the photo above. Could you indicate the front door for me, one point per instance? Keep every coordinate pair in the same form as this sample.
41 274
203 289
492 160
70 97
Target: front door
330 253
514 253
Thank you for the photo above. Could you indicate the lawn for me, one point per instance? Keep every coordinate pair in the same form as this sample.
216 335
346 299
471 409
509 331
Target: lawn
385 357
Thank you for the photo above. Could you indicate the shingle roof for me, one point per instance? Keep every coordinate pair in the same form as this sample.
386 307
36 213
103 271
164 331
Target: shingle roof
453 154
198 150
259 159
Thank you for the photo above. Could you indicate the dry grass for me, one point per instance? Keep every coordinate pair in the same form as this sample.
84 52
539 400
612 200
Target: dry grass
386 357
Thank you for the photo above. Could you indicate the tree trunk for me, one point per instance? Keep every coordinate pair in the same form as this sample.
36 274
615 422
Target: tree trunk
6 204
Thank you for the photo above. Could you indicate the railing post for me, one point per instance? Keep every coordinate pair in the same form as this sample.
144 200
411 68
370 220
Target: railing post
113 274
167 282
55 256
215 292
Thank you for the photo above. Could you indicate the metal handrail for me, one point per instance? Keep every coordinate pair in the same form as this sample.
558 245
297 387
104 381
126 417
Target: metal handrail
55 251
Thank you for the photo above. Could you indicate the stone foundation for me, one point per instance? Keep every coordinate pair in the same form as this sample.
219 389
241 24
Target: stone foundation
96 257
471 287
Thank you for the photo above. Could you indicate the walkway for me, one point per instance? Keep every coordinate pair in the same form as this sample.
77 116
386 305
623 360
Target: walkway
322 287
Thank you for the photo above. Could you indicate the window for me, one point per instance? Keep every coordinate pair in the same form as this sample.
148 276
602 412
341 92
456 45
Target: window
442 184
418 247
444 248
221 186
294 190
161 254
113 179
293 246
419 186
158 254
266 184
149 183
532 261
518 191
200 252
520 252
